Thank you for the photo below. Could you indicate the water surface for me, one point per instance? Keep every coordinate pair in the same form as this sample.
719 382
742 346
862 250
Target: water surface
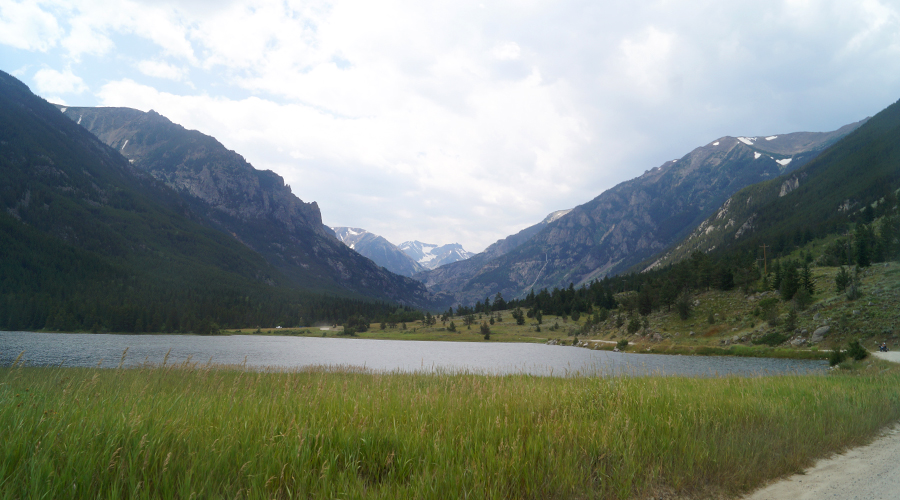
77 349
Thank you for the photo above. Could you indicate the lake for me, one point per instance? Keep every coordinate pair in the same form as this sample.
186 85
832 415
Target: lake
76 349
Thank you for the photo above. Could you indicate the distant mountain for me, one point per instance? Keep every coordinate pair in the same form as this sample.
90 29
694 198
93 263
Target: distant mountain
255 207
821 197
430 256
631 221
379 250
449 279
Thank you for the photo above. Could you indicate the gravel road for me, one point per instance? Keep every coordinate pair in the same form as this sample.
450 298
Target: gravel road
869 472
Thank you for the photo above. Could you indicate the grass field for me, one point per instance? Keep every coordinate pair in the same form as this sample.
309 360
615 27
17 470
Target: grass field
219 432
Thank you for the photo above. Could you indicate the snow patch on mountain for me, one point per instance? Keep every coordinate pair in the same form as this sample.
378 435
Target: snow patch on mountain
784 162
747 140
756 155
430 256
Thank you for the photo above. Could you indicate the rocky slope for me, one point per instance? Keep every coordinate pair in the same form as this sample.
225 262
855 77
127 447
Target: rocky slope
633 220
253 206
379 250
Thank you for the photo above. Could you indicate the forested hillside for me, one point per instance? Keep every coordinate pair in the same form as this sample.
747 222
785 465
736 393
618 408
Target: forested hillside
88 242
853 181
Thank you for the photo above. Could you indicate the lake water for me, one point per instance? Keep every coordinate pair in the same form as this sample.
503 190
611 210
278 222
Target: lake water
51 349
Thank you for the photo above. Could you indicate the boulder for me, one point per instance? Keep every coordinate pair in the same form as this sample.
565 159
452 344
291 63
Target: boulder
820 334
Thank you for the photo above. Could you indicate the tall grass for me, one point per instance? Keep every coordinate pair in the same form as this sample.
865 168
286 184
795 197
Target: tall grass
205 431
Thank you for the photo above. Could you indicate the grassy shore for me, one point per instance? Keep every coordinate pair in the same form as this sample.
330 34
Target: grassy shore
216 432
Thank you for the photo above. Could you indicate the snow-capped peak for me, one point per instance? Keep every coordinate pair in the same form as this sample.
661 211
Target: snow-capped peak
431 256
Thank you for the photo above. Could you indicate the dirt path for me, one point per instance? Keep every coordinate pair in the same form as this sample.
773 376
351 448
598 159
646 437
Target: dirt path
889 356
869 472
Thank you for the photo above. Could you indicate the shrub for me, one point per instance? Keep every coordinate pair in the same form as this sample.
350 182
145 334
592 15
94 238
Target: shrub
683 305
771 339
634 324
791 322
842 279
485 330
603 315
837 357
802 299
856 351
622 344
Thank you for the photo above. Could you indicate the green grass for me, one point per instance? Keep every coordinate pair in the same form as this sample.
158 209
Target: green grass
217 432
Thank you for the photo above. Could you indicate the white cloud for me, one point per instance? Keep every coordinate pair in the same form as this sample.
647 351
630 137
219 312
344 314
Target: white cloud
24 25
58 82
449 120
508 51
158 69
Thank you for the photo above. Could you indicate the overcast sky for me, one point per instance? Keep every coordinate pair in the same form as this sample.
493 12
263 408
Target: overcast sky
462 121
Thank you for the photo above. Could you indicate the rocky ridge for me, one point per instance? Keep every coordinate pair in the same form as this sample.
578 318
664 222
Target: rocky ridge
254 206
629 222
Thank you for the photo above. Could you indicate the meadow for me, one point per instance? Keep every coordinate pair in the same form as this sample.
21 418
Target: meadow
189 430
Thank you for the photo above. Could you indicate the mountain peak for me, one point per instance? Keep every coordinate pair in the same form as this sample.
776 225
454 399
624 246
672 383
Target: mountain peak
430 255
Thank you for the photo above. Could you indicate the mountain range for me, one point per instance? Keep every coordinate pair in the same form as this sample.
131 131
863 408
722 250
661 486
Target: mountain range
379 250
118 217
431 256
628 223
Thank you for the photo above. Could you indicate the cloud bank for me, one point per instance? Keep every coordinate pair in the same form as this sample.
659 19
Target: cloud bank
463 121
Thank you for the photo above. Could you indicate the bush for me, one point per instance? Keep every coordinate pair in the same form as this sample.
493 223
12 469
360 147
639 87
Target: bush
634 324
791 322
802 299
485 330
622 344
842 279
768 310
771 339
837 357
683 305
856 351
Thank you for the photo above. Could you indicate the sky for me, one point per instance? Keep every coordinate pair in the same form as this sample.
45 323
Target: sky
462 121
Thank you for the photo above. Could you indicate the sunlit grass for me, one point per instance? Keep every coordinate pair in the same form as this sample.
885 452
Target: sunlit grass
216 432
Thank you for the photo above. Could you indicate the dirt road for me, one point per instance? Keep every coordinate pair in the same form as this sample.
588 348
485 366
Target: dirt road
869 472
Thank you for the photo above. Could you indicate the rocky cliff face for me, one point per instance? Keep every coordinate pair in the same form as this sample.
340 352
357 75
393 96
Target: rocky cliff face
631 221
254 206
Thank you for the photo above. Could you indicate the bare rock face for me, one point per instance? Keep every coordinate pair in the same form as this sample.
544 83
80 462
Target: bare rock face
254 206
789 185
